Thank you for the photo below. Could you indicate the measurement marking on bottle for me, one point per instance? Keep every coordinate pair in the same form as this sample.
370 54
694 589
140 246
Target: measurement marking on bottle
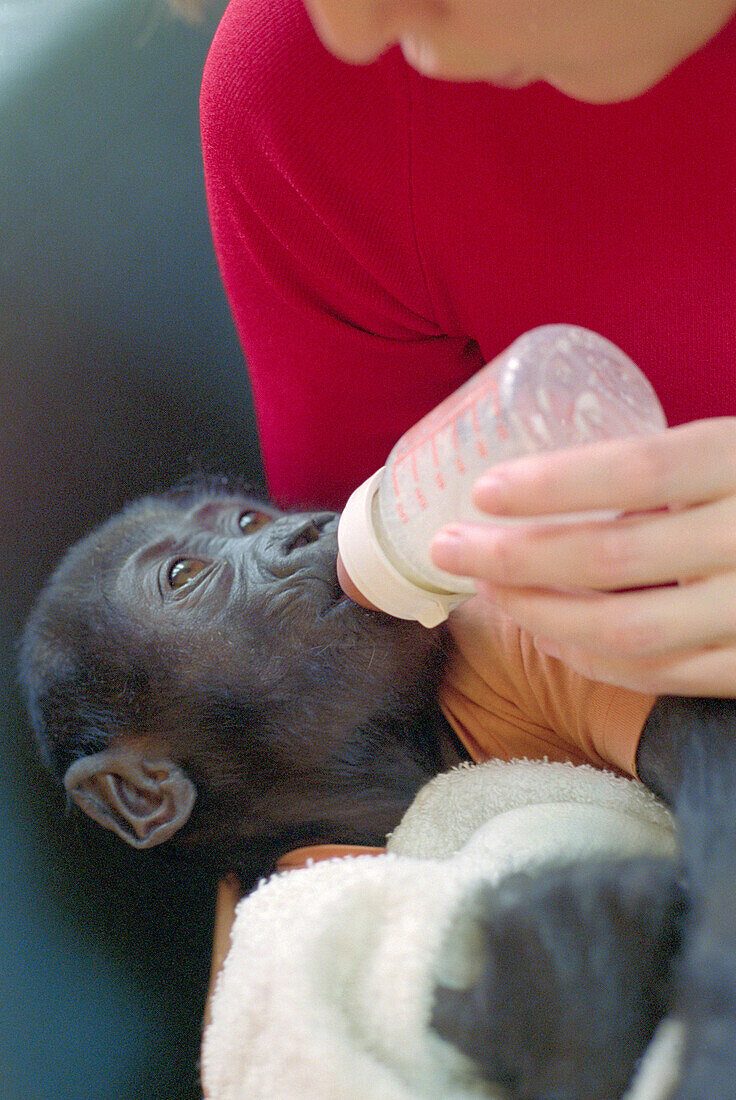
438 478
415 442
479 440
481 422
443 433
397 488
501 430
459 464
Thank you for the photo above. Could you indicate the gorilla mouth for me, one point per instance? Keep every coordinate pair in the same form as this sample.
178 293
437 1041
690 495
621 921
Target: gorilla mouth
322 558
315 543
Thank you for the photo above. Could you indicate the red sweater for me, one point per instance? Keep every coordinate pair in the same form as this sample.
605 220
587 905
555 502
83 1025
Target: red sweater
382 235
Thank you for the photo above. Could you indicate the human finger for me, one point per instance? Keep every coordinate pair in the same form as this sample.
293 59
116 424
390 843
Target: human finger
680 466
706 671
632 551
627 625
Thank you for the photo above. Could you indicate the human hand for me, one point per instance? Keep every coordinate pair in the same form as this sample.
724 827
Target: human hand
646 600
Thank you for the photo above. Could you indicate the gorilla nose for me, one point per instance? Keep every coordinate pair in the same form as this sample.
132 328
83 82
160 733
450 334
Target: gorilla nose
307 532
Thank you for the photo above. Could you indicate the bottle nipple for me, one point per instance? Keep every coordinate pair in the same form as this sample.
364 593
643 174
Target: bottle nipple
349 588
374 575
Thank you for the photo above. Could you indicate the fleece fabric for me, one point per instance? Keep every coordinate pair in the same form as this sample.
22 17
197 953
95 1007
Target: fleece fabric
326 991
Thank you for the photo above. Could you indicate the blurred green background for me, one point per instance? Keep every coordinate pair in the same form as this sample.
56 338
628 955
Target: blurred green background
119 371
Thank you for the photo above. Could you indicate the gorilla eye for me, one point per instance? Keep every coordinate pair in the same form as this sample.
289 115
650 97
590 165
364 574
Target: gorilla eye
183 570
251 520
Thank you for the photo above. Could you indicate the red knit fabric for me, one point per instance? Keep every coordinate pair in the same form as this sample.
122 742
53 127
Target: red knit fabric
382 235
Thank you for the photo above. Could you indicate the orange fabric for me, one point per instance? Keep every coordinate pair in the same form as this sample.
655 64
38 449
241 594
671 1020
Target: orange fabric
506 700
300 857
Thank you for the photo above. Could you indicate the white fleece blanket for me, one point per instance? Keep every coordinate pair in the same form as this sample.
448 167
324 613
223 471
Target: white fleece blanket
326 990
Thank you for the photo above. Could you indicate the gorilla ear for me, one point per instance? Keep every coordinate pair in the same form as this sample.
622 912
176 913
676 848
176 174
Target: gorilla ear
144 799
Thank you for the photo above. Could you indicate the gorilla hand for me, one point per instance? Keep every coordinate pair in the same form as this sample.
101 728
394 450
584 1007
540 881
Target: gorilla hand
573 977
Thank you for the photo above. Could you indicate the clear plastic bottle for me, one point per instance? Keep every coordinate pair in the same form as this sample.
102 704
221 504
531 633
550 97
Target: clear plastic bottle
556 386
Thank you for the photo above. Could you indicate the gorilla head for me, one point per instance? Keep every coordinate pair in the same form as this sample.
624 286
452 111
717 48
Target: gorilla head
193 668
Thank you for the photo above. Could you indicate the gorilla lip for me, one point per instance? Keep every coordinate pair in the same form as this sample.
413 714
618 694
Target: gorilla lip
338 598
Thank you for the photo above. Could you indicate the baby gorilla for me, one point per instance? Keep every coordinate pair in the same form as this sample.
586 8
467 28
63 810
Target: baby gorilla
193 668
194 674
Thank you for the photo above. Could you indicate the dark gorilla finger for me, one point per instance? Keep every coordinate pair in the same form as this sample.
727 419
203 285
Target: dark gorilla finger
574 975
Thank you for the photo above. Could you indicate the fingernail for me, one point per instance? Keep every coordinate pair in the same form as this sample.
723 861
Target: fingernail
451 535
445 545
489 487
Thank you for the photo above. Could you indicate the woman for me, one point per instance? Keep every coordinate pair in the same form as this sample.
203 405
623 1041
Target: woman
382 233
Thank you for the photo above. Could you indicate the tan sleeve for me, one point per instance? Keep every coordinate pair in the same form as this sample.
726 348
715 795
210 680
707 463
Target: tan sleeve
504 699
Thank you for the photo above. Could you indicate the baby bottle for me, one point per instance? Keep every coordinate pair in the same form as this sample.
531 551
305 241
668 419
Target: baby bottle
556 386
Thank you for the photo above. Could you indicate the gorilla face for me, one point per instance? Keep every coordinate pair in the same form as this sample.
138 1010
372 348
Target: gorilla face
198 643
238 596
